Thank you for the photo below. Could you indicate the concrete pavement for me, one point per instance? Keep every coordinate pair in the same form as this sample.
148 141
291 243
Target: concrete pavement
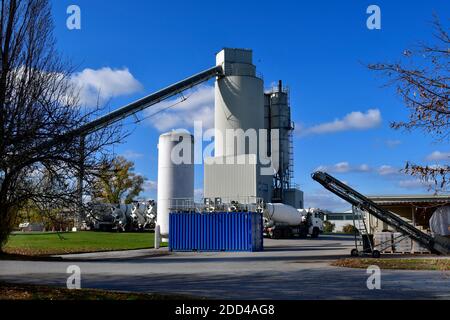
287 269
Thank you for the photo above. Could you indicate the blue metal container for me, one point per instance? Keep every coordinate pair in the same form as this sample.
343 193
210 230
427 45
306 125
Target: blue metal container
228 231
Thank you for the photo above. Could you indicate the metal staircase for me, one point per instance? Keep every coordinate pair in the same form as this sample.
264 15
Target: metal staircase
362 237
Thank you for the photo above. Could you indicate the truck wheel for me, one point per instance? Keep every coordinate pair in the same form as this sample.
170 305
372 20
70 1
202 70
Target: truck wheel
354 253
277 234
376 254
287 234
315 233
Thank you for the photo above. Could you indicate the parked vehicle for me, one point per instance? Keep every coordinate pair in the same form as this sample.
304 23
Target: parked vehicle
143 215
282 221
139 216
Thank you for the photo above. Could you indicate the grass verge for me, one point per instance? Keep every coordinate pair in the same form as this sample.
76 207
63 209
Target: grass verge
44 244
396 264
10 291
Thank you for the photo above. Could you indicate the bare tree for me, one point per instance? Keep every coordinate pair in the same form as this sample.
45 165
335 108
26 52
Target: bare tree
422 81
38 104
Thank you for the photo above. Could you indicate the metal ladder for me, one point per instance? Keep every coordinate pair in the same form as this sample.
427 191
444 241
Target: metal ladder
291 158
360 231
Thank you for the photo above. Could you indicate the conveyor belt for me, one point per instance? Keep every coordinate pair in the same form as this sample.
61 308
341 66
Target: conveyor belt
149 100
438 244
135 107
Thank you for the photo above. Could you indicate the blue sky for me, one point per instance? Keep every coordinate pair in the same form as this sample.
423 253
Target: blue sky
318 48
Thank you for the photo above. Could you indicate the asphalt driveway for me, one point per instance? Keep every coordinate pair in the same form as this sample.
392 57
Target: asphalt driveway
287 269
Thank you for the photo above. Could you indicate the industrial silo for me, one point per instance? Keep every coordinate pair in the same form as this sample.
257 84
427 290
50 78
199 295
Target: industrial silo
281 145
239 101
175 175
239 117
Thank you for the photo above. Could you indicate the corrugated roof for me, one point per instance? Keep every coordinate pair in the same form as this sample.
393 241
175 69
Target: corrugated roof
404 199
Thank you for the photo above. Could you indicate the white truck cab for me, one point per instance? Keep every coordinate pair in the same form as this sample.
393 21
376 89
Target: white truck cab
313 218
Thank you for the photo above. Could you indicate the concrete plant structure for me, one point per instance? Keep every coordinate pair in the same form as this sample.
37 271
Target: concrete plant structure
253 148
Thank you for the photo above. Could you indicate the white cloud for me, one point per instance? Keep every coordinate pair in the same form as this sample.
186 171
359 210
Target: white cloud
179 114
97 86
344 167
353 121
150 185
132 155
363 168
387 170
438 156
393 143
413 184
337 168
325 200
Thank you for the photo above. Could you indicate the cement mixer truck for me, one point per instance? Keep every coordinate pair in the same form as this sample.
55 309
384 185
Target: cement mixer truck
121 214
282 222
143 215
98 216
139 216
108 217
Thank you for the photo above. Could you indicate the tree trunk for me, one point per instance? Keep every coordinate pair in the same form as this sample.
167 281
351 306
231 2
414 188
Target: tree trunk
7 218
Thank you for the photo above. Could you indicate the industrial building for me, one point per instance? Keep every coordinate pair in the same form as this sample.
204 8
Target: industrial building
241 105
415 209
251 172
340 219
252 167
253 150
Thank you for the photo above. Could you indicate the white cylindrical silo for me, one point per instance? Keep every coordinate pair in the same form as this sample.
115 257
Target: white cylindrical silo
239 101
175 175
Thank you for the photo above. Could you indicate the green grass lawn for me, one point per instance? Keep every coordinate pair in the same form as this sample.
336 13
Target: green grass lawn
36 244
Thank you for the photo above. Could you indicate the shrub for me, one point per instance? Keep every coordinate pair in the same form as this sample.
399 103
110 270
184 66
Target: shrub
328 226
349 228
